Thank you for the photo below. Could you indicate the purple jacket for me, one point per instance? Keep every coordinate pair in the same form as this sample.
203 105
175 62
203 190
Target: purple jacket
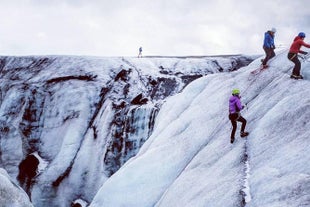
234 104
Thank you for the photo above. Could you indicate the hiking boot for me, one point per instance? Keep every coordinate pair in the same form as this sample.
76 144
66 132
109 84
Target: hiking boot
232 140
296 76
244 134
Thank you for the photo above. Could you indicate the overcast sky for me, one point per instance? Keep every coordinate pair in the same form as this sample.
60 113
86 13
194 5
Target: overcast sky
161 27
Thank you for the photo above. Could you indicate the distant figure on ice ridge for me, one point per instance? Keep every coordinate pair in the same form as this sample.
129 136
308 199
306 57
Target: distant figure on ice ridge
235 107
293 54
269 46
140 52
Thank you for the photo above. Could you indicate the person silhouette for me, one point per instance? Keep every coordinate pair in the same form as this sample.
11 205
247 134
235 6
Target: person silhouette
293 54
235 107
268 46
140 52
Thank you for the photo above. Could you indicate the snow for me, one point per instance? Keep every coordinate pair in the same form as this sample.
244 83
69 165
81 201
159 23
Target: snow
80 202
189 161
10 194
68 111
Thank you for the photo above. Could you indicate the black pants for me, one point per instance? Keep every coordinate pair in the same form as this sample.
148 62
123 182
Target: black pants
233 119
269 54
294 58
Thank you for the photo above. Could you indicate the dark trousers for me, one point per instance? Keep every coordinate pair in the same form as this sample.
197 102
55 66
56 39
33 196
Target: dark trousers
294 58
269 54
233 119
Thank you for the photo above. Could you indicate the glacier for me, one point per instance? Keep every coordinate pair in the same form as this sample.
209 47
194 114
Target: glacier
188 159
69 123
10 193
154 131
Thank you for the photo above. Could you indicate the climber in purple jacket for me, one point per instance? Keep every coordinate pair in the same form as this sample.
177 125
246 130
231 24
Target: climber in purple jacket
235 107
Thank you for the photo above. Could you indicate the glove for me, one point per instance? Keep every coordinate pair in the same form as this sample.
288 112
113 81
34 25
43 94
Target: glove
303 52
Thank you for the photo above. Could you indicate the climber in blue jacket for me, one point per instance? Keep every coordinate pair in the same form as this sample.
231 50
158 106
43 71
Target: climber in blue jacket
269 46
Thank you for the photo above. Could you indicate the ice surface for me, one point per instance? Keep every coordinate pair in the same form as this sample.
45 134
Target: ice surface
189 161
76 114
11 195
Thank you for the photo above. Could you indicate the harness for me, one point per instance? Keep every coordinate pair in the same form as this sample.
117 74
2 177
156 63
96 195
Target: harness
293 56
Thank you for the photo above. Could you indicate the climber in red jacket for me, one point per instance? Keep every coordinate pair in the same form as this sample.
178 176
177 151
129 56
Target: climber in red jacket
294 50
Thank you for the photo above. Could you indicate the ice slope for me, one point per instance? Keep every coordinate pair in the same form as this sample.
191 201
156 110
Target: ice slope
189 161
11 195
67 122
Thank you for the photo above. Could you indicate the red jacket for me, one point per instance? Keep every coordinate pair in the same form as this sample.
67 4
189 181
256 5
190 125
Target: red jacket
298 42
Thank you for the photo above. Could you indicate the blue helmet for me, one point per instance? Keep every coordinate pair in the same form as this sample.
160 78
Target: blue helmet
302 34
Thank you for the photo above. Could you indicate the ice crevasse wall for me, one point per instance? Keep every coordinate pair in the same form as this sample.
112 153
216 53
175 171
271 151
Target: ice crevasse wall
69 123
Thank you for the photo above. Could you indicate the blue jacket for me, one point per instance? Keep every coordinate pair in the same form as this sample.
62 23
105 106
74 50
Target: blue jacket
268 40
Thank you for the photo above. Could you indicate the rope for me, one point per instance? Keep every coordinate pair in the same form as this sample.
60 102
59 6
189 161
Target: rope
304 58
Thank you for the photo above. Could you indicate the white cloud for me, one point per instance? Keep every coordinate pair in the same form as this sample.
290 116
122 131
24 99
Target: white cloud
116 28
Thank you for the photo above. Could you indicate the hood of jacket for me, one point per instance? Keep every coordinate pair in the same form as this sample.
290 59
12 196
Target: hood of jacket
297 38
